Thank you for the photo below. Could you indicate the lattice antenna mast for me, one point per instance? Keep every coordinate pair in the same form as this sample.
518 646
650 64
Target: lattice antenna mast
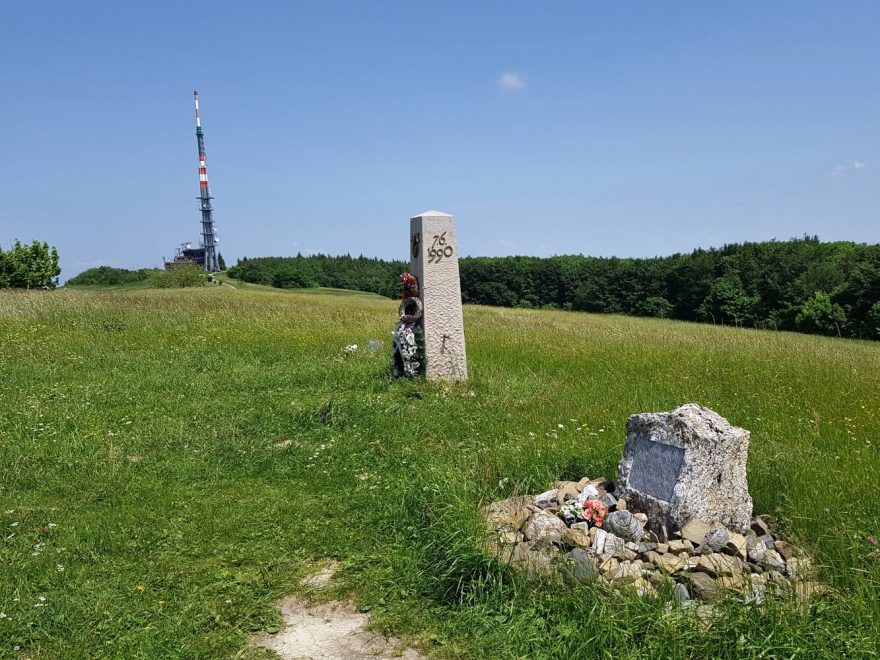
209 236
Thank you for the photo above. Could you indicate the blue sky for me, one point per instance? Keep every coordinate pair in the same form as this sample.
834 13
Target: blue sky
602 128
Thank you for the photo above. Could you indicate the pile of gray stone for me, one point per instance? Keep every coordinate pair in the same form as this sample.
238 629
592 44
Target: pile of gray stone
679 515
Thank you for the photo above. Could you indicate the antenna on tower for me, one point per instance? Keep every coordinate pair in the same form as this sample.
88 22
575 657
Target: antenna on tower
209 236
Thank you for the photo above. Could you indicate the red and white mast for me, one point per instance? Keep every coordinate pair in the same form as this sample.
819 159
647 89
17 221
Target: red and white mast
209 236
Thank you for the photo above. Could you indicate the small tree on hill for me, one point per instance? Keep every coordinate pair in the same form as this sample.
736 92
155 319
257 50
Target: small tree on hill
728 302
33 266
656 306
873 320
818 314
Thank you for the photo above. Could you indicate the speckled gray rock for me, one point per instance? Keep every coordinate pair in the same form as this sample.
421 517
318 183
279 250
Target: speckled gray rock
768 541
546 499
681 592
533 558
544 528
774 560
510 514
715 539
605 543
703 586
686 463
589 492
756 554
580 566
624 525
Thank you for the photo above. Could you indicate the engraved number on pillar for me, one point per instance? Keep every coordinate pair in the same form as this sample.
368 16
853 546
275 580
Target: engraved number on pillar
439 250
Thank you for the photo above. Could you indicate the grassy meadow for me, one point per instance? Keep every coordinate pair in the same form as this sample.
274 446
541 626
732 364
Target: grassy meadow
173 461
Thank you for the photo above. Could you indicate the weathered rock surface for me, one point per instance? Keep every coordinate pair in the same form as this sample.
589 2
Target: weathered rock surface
544 527
773 559
581 566
718 565
624 525
681 593
703 586
566 491
588 492
510 537
715 540
533 558
695 531
576 538
677 546
605 543
759 527
510 514
670 563
546 499
608 566
786 549
736 546
683 464
609 500
627 573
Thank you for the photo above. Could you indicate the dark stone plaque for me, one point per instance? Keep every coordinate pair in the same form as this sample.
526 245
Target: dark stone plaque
655 468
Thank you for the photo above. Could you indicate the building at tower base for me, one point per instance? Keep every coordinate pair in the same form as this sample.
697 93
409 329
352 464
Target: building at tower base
187 255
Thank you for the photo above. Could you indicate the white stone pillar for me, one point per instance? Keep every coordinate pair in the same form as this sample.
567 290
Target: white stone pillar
434 261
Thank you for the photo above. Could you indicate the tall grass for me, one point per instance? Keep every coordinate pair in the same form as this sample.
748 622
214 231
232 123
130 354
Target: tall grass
172 462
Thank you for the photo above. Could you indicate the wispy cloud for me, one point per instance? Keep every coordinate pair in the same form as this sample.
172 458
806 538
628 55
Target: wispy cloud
849 168
511 81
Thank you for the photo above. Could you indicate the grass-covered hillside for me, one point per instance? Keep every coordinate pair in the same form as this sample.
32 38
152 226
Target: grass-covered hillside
173 461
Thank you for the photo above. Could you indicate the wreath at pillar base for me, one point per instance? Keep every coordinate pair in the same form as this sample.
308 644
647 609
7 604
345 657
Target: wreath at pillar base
408 351
408 338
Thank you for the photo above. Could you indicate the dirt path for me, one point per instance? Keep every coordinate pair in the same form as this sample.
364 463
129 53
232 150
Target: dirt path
329 631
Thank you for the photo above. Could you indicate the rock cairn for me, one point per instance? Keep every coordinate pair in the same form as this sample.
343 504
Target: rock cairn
583 531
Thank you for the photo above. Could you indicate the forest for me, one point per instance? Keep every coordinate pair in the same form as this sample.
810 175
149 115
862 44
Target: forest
803 284
345 272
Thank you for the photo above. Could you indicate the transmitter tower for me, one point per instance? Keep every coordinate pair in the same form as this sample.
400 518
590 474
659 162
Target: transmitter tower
209 235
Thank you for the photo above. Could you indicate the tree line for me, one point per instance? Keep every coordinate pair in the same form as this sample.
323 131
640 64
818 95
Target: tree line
344 272
802 284
109 276
183 276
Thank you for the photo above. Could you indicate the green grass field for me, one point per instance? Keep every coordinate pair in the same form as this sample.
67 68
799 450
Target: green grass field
173 461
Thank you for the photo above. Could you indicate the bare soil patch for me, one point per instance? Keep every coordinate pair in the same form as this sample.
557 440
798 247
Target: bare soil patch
329 631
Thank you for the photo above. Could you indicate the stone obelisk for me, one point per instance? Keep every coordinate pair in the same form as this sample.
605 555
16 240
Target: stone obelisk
434 261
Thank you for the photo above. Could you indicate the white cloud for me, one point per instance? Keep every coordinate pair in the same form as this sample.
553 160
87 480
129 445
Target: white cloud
511 81
855 166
